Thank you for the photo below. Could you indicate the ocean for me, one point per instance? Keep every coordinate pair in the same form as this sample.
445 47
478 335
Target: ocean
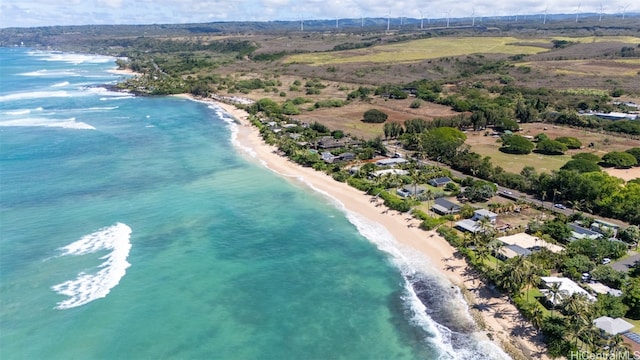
134 228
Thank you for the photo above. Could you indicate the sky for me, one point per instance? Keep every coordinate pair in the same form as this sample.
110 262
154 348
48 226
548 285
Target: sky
32 13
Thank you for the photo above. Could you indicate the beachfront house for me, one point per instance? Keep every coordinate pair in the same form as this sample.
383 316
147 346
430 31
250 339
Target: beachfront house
443 206
484 214
388 171
567 288
511 251
468 225
410 190
439 181
529 242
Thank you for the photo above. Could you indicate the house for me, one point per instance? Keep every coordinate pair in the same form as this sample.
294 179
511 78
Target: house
347 156
529 242
610 326
604 227
468 225
328 142
389 171
511 251
391 161
327 157
567 288
440 181
578 233
443 206
410 190
484 214
601 288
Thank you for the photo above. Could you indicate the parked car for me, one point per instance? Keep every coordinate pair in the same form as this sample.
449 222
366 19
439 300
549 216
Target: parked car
586 276
560 206
605 261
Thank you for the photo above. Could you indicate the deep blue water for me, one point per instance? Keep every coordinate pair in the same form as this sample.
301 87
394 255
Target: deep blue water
131 227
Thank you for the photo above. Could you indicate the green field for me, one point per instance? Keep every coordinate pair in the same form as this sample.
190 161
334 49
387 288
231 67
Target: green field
515 163
422 49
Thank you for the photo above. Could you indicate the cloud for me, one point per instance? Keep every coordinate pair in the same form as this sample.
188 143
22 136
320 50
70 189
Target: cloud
19 13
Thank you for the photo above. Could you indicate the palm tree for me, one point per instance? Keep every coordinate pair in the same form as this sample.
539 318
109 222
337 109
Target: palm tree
531 276
554 290
537 316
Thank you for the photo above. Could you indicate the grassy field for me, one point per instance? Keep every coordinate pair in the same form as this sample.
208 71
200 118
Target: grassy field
418 50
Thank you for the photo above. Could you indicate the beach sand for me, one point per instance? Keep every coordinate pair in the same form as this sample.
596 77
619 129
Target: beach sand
496 316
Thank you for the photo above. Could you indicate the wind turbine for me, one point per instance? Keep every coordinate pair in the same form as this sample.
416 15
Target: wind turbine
336 23
421 20
624 9
601 11
361 21
301 23
544 21
473 17
578 12
388 20
448 13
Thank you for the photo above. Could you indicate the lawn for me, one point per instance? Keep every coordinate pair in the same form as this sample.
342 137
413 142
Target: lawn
418 50
634 322
515 163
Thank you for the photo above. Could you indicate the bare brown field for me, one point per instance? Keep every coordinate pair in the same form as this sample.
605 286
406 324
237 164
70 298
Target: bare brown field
625 174
349 118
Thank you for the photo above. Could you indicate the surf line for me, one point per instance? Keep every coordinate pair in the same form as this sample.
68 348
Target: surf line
89 287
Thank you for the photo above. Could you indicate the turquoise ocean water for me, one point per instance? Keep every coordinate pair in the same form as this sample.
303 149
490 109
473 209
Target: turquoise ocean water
133 228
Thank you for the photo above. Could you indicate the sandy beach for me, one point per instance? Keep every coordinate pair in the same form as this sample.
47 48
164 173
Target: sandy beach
496 317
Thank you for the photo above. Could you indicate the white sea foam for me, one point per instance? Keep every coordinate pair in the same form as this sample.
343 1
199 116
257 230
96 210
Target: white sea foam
72 58
50 73
121 97
61 84
21 111
88 287
34 95
69 123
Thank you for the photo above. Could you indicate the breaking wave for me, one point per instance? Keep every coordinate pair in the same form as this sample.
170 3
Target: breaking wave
89 287
69 123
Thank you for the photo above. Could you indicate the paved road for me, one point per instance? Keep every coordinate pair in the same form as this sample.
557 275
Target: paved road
625 264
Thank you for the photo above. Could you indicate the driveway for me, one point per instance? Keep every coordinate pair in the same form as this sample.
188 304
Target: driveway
625 264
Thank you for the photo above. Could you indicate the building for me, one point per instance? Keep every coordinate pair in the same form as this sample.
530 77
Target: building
604 227
578 233
468 225
410 190
601 288
567 288
443 206
440 181
530 242
511 251
611 327
391 161
389 171
484 214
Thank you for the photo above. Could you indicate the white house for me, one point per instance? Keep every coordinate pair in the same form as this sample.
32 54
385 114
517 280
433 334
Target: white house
484 214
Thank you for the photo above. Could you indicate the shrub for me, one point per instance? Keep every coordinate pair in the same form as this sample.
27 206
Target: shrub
516 144
551 147
619 160
571 142
374 116
586 156
415 104
581 165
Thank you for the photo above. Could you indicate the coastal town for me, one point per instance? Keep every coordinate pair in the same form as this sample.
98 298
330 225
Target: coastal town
512 172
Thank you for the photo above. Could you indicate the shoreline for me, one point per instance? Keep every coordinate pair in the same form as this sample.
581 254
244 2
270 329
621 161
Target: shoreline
496 318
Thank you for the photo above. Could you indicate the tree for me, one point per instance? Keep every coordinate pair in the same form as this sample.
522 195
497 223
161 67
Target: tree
581 166
374 116
635 152
551 147
586 156
479 190
632 298
576 265
619 160
442 143
557 229
506 124
516 144
630 234
570 142
612 306
392 130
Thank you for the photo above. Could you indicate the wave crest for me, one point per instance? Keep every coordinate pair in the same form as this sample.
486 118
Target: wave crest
88 287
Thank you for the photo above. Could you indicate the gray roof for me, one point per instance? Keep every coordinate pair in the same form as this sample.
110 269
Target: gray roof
612 326
583 231
447 204
440 180
390 161
468 225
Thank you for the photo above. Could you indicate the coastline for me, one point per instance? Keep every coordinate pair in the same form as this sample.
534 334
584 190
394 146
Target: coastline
496 318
